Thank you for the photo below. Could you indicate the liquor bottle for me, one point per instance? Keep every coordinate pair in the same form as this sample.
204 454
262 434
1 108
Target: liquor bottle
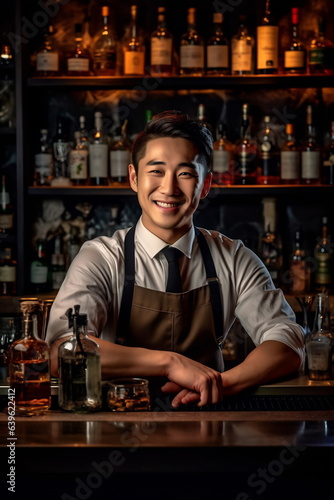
78 61
29 368
295 53
320 343
299 269
87 40
83 131
242 50
245 152
271 243
39 269
311 153
323 254
327 174
58 270
6 210
290 158
267 43
120 156
7 273
161 48
268 155
61 149
223 158
43 171
134 49
321 52
79 161
217 49
6 56
74 243
47 57
192 48
105 48
98 154
79 368
202 118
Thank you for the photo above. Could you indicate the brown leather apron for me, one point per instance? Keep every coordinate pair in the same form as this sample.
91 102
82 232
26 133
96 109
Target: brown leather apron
189 323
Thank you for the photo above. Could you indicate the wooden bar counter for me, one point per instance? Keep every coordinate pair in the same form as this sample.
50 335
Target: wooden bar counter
164 453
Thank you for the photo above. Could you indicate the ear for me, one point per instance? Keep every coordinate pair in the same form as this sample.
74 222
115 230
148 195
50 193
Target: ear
133 177
206 185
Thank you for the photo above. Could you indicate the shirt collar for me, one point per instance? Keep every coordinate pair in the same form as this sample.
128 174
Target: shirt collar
152 244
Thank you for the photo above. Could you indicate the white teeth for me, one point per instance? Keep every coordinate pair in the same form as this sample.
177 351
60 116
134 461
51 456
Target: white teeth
166 205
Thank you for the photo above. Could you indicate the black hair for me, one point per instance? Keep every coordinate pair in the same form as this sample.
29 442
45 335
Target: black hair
174 124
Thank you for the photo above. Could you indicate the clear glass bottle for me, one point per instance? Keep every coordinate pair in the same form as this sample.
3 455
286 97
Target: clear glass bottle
321 52
6 209
271 242
134 49
61 149
47 57
267 43
217 49
78 162
327 174
290 158
58 270
268 155
323 254
29 368
79 368
39 269
320 343
295 53
192 48
43 172
222 158
7 273
245 152
98 154
202 117
161 63
105 48
120 156
299 269
242 50
311 153
78 62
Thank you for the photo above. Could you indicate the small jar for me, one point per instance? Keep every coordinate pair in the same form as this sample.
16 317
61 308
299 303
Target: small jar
129 394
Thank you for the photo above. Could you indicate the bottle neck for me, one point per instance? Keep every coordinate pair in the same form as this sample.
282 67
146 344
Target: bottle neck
30 327
321 322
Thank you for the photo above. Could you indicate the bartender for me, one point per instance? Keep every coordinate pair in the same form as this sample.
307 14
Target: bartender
159 315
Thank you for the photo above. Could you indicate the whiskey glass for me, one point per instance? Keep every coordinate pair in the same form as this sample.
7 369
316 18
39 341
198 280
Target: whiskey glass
129 394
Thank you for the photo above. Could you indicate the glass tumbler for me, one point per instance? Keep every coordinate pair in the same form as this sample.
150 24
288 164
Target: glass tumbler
129 394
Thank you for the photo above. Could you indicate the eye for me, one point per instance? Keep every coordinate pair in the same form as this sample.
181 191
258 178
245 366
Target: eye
187 174
154 172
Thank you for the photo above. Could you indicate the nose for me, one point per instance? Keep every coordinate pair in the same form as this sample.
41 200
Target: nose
169 185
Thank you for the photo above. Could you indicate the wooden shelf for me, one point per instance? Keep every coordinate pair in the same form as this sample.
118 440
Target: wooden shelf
149 83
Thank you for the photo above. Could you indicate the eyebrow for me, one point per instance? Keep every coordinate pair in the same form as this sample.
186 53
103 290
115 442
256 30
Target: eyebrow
183 164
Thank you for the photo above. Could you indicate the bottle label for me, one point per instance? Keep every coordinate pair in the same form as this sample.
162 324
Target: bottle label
38 273
161 51
47 61
241 56
221 161
289 165
311 164
192 56
317 56
78 164
43 166
6 221
294 59
119 161
324 270
134 63
98 160
267 47
7 274
217 56
77 64
4 198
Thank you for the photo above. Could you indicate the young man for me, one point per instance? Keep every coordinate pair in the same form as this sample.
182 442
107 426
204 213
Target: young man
120 282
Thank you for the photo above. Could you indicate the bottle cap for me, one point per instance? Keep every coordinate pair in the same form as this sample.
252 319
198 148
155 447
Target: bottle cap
105 11
289 128
217 17
295 15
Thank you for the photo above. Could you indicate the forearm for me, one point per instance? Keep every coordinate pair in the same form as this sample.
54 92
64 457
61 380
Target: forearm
269 361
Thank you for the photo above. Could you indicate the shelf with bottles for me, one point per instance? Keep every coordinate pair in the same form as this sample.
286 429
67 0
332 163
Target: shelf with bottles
149 82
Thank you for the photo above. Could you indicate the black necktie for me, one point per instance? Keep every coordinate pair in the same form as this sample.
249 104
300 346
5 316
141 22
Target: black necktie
174 283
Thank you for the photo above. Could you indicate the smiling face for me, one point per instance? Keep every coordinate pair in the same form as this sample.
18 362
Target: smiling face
170 183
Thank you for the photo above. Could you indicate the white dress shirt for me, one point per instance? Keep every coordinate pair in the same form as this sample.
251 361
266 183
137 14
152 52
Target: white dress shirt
96 276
